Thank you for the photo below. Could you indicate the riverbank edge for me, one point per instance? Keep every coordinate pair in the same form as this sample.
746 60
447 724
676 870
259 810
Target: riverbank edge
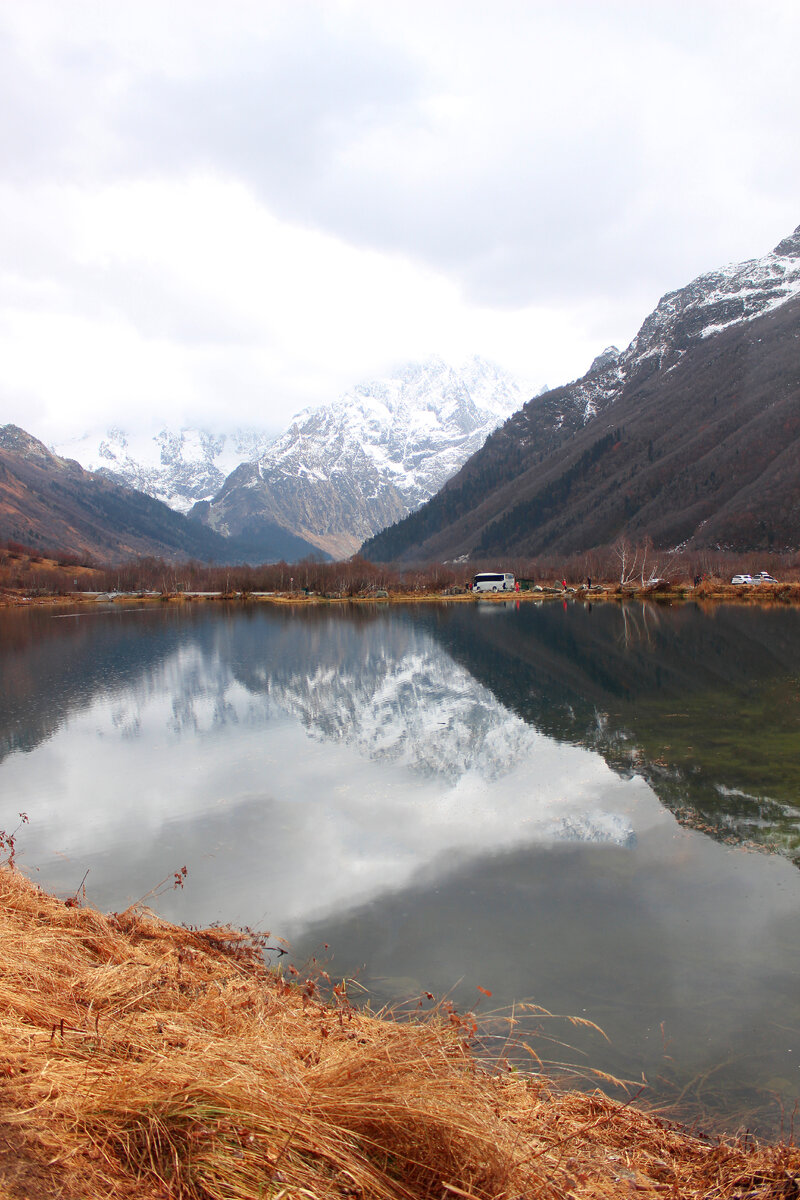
706 593
142 1059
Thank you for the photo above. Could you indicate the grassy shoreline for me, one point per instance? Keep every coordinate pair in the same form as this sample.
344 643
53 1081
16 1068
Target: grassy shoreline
143 1059
708 592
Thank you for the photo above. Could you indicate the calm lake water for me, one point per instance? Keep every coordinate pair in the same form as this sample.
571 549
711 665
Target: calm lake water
591 809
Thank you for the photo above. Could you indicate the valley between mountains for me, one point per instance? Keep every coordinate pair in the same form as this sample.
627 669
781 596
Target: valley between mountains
689 437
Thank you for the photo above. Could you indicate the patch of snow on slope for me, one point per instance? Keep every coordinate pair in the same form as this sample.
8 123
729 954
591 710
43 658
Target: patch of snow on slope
178 467
712 302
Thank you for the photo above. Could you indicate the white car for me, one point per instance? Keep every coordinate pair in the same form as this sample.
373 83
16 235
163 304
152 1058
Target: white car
764 577
743 579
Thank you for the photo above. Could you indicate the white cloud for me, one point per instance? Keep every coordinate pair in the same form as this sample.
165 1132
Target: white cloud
226 213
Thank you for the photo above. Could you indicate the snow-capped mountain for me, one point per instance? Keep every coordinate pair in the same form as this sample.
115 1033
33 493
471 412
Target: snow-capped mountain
688 435
53 504
178 467
714 301
345 470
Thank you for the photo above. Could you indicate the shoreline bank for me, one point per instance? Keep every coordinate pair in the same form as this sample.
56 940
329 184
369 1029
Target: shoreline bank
707 592
143 1059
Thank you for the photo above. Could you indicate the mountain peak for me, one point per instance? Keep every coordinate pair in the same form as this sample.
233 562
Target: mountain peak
16 439
790 246
609 358
344 470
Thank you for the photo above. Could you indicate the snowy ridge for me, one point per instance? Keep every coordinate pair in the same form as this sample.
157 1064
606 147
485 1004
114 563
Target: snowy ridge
416 428
719 299
709 304
178 467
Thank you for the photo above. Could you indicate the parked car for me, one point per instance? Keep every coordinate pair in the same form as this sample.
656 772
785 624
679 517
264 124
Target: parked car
743 579
764 577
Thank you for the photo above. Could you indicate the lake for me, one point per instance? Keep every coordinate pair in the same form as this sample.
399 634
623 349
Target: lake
594 809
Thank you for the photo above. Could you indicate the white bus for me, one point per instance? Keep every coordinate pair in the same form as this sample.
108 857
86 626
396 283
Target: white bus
494 581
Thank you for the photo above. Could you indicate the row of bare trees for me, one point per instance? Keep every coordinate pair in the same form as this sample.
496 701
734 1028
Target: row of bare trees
625 562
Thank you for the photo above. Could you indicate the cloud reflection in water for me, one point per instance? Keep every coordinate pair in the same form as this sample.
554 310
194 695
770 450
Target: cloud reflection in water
296 779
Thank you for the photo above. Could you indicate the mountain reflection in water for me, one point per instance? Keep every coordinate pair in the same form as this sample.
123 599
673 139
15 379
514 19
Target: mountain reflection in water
484 793
705 706
355 751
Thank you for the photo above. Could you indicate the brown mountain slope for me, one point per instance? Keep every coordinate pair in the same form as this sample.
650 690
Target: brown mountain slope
52 503
704 450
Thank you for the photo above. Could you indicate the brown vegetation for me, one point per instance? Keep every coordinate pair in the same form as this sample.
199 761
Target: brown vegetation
627 564
357 576
46 572
141 1059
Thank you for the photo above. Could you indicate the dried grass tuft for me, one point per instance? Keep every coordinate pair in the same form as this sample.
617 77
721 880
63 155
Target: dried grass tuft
140 1059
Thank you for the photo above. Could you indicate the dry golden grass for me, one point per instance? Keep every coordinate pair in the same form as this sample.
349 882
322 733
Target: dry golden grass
140 1059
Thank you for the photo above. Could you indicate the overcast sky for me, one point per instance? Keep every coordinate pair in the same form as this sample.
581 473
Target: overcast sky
219 213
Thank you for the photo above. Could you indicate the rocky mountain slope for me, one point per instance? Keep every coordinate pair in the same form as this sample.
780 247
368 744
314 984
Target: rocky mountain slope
178 467
691 434
345 470
50 502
